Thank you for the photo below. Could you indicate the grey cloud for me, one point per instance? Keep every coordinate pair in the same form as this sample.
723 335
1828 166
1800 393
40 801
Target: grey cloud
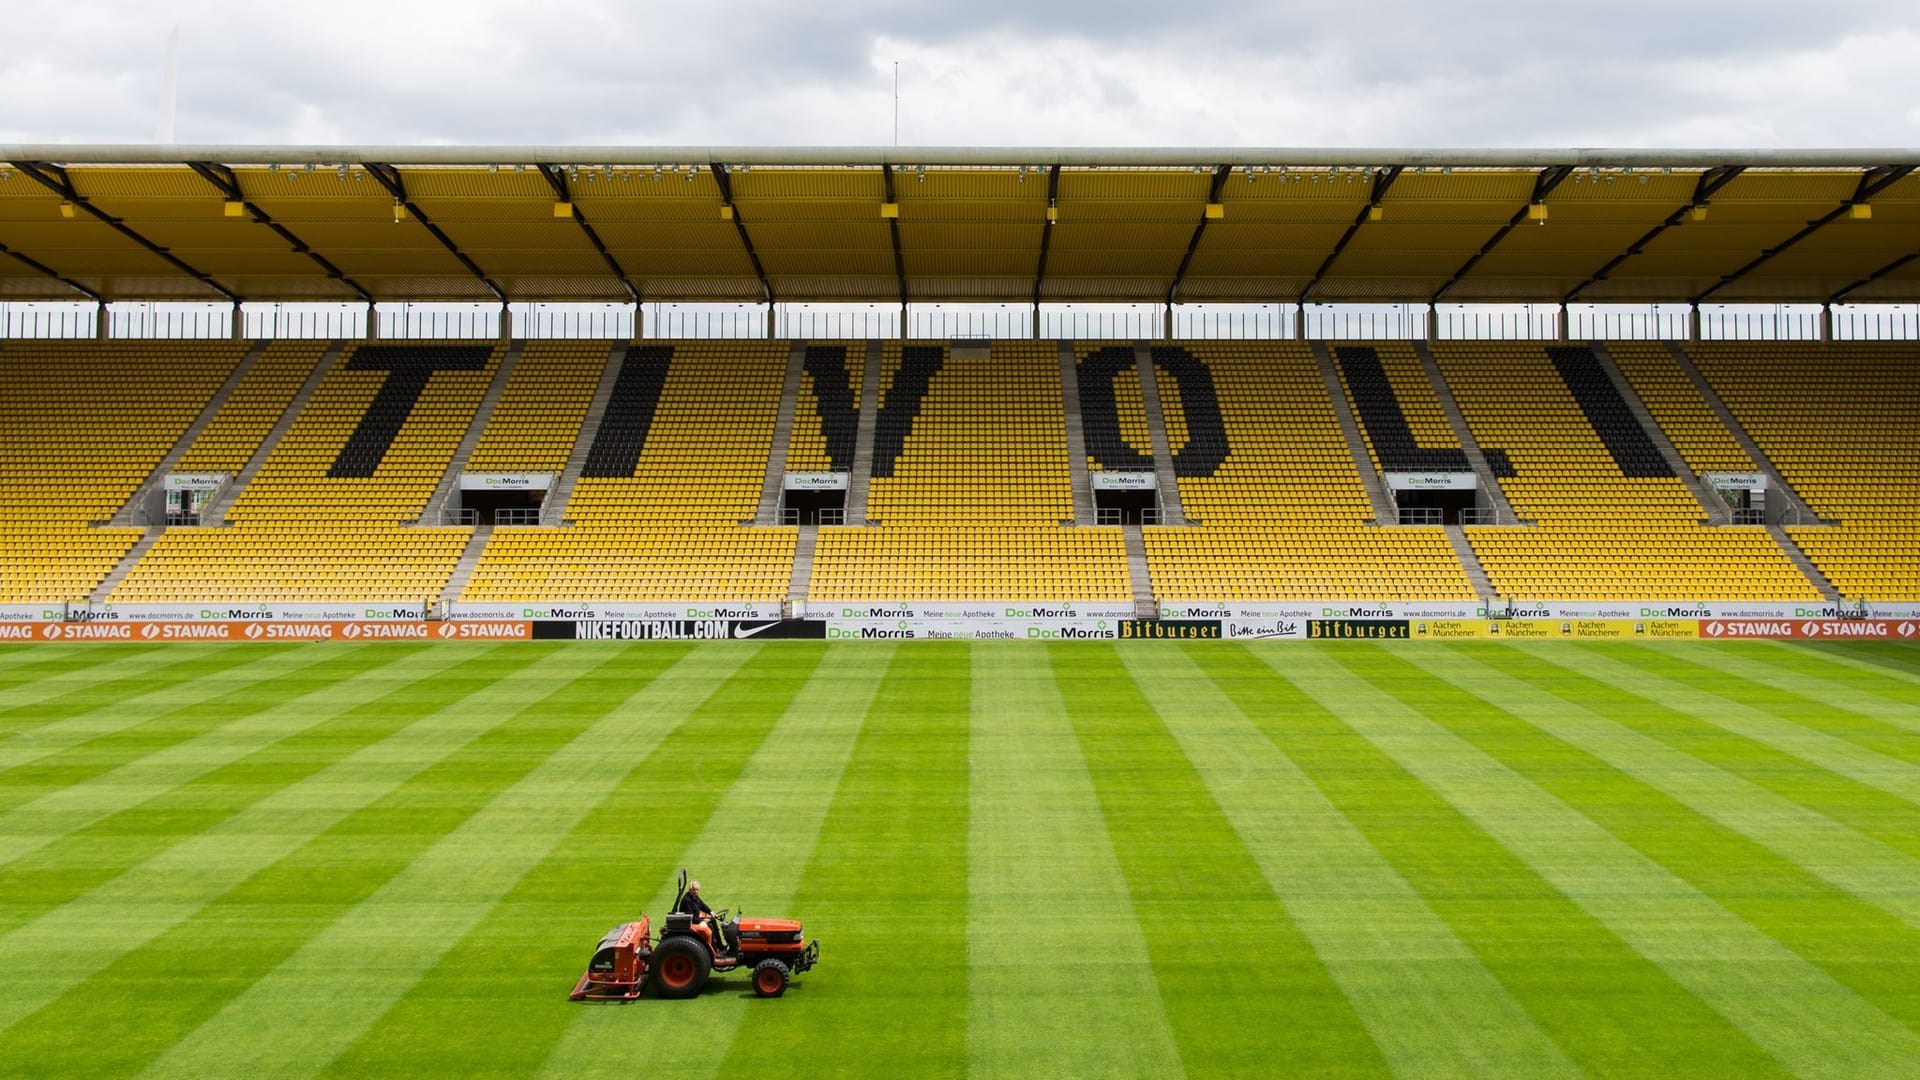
520 71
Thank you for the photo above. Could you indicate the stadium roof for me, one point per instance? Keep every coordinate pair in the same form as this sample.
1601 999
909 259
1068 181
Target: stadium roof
957 224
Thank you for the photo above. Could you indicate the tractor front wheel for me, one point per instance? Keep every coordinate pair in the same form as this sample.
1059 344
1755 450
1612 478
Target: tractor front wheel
770 978
680 966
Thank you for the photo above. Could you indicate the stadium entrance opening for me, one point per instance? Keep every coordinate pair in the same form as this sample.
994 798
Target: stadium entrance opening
828 507
504 507
1125 497
1437 507
1126 507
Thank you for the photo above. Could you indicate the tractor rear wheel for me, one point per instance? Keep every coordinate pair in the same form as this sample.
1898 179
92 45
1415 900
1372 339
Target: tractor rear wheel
770 978
680 966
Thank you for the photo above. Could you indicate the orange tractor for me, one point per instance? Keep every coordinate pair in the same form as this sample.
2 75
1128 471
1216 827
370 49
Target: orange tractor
628 961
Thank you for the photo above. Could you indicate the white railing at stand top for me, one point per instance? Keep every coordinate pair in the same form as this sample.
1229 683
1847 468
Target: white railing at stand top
1088 322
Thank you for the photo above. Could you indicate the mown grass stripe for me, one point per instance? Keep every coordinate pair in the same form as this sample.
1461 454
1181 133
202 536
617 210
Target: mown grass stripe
1901 661
1849 939
1864 868
1606 1006
1043 882
885 892
1835 700
531 946
161 991
80 709
1800 1014
109 829
1668 680
23 666
1429 1003
1867 689
46 957
300 1016
1244 991
1866 810
69 790
751 852
114 673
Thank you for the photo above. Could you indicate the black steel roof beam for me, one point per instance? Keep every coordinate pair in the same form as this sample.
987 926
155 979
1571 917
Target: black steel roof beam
558 181
224 180
1219 184
55 179
721 178
54 274
1872 182
1382 180
389 178
1705 187
1543 184
1046 230
893 228
1873 277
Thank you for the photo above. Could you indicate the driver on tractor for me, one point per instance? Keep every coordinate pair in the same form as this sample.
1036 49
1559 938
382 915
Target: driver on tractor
691 904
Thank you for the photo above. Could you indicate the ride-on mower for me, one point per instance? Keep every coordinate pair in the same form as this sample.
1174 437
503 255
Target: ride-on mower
628 961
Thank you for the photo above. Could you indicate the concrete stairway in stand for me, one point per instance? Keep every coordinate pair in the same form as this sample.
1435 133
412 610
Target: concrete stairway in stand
1171 512
1385 511
802 577
1144 605
1470 562
862 477
768 512
129 513
450 482
126 564
1502 509
1799 558
469 558
1076 437
1777 486
1718 513
218 509
553 509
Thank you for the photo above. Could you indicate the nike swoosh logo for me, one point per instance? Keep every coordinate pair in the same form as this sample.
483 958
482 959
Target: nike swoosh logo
742 631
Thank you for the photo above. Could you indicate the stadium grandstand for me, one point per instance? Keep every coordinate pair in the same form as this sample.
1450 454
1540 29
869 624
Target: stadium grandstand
1559 395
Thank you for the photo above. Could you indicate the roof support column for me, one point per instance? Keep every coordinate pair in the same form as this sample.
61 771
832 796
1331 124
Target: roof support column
1693 322
903 320
1433 322
239 322
373 320
1826 322
506 322
1036 320
1561 325
639 320
769 320
102 325
1295 326
1166 321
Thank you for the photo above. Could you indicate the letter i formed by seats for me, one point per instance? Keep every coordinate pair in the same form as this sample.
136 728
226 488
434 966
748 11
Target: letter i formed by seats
408 368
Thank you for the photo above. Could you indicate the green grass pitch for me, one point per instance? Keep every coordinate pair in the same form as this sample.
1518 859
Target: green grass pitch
1076 860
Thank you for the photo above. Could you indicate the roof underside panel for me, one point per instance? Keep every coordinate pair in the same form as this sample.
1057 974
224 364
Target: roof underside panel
969 232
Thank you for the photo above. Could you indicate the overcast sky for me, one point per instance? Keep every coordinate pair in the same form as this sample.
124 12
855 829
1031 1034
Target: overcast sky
1725 73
